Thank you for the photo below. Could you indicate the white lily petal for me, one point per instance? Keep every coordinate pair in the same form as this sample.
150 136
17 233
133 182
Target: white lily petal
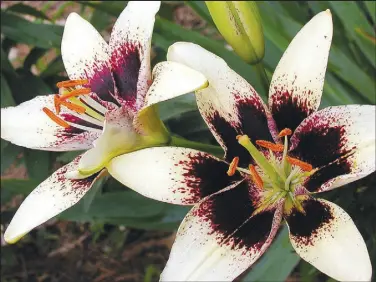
340 141
297 83
229 105
171 79
51 197
170 174
130 45
326 237
219 238
118 137
28 126
83 49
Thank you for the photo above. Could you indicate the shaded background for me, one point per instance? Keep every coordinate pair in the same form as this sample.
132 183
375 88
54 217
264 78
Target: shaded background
114 234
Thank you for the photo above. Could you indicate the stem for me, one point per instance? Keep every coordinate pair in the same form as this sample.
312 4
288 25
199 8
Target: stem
181 142
263 76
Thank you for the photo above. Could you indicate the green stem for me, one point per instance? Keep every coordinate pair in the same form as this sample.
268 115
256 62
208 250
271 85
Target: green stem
263 76
181 142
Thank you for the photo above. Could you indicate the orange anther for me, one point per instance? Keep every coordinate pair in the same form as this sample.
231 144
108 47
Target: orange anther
285 132
238 137
233 165
270 145
55 118
149 82
75 93
73 107
256 177
70 83
57 103
303 165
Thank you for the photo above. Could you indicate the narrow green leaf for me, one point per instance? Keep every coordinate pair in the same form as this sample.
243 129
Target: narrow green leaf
12 187
353 18
100 20
90 195
278 261
34 55
24 31
200 8
371 7
6 66
37 163
6 94
27 10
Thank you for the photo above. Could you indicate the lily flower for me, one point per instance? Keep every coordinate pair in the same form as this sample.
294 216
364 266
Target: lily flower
105 107
277 158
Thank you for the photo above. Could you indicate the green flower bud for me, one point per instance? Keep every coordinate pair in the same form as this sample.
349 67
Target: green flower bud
239 22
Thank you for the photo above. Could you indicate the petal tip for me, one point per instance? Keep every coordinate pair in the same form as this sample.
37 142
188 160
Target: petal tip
328 12
9 239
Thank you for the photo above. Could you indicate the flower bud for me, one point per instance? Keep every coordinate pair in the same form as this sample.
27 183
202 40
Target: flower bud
239 22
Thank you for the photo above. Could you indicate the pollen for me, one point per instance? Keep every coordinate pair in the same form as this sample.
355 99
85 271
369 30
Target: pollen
71 83
303 165
55 118
57 104
256 177
76 92
73 107
233 165
270 145
285 132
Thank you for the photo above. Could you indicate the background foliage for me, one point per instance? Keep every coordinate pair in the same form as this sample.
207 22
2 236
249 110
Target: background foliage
350 79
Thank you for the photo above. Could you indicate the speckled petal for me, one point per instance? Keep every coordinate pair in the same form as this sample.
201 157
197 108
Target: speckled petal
229 105
297 83
51 197
171 79
28 126
86 56
340 142
130 51
175 175
219 238
326 237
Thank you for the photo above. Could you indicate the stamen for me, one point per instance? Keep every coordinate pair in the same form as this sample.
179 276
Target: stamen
285 132
233 165
270 145
55 118
149 82
74 93
256 177
57 103
73 107
303 165
70 83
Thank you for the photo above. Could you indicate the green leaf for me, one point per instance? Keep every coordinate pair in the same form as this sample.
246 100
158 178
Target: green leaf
37 163
12 187
100 20
55 67
114 205
26 86
371 7
278 261
200 8
173 32
353 18
24 31
90 195
67 157
9 154
34 55
6 94
6 66
27 10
